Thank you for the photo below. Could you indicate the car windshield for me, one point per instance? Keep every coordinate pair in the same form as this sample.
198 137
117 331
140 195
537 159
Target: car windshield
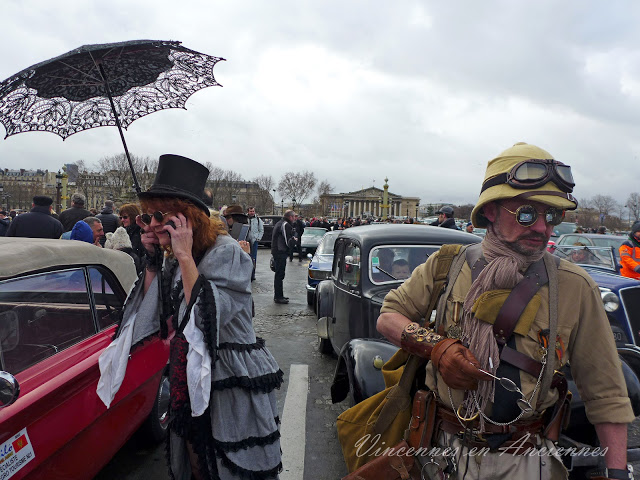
607 241
564 227
394 263
325 247
587 255
314 232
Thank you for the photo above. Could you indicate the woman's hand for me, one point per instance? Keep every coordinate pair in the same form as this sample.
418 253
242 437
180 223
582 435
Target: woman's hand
147 236
245 246
181 236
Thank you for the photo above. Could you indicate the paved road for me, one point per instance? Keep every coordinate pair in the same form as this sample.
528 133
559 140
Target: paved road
289 331
310 445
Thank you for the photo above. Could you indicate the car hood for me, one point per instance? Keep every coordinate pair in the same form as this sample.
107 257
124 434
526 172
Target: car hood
610 279
321 262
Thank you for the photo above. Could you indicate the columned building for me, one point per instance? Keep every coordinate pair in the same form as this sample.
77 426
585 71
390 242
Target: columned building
367 203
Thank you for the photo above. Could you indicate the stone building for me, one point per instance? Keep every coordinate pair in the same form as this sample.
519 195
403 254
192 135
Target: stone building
366 203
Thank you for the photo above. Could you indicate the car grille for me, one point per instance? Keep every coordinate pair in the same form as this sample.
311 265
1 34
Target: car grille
631 301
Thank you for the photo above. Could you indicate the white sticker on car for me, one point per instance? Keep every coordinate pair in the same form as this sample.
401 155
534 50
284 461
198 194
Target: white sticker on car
15 453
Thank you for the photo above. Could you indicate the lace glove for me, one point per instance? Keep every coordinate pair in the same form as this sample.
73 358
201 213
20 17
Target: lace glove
457 365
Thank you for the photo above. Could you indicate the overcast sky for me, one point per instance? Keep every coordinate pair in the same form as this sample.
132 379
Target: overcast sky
422 92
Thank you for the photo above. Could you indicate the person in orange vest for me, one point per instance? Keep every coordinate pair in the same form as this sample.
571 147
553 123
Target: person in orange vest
630 254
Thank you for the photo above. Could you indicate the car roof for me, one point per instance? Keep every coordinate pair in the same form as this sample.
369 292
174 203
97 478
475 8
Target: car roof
407 233
594 235
23 255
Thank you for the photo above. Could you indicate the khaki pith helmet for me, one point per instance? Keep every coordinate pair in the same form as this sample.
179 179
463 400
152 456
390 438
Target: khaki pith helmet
503 163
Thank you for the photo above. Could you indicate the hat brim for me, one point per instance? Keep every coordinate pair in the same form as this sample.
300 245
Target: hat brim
502 192
167 191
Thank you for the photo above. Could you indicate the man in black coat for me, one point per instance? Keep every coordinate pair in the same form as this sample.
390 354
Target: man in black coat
77 212
110 220
445 218
4 223
298 227
38 223
282 241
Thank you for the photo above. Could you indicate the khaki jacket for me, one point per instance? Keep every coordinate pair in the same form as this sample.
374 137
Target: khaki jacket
582 326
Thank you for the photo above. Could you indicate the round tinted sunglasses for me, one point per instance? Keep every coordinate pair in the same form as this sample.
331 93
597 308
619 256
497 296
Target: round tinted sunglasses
527 215
146 217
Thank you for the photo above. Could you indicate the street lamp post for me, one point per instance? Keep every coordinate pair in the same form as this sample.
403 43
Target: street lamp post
273 201
58 192
293 199
417 208
282 206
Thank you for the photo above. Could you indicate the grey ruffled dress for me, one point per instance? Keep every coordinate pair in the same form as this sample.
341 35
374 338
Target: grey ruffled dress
237 436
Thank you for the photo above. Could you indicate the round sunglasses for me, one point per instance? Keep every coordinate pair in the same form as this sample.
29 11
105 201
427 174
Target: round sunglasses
527 215
146 217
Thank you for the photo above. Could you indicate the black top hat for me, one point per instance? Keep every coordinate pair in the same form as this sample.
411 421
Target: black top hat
179 177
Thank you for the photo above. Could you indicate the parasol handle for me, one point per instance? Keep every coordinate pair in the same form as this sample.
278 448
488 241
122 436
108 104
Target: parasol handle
115 114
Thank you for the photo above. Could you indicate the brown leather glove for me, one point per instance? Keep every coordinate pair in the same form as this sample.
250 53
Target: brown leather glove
457 365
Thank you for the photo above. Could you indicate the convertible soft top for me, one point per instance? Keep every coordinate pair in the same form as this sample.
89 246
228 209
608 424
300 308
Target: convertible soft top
21 255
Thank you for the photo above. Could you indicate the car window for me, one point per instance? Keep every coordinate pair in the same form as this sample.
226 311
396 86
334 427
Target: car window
108 302
41 315
325 247
605 241
350 271
393 263
569 240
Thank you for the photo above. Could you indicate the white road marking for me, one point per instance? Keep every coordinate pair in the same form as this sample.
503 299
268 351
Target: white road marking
293 427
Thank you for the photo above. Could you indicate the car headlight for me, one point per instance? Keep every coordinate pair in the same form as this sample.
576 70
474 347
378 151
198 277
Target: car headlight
319 274
609 299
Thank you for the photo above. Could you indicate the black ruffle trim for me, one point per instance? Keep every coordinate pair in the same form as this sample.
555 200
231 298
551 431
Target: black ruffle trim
243 347
208 314
248 442
248 474
264 383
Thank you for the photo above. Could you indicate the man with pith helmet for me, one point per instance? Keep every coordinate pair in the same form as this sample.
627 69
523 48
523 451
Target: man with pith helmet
513 311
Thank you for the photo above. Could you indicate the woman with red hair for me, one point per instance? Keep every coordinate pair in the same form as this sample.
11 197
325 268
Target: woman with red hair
223 412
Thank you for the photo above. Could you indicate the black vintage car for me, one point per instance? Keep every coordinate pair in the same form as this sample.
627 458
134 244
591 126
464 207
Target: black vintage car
368 262
268 221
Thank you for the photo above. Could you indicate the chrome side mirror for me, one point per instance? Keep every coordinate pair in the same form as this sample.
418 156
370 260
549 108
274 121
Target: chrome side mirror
9 389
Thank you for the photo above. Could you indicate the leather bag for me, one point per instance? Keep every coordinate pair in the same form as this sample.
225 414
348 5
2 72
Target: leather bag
397 463
379 422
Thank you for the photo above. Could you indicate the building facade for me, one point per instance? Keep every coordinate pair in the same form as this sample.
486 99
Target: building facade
368 202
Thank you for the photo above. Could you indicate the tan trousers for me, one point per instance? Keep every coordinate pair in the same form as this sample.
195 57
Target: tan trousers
477 464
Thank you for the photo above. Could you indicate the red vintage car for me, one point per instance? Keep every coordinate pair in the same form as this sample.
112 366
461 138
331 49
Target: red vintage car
59 303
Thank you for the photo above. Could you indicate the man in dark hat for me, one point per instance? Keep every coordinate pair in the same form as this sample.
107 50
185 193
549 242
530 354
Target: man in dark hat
77 212
445 218
38 223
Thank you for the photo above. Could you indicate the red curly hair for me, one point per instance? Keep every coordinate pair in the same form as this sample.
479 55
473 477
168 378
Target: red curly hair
205 229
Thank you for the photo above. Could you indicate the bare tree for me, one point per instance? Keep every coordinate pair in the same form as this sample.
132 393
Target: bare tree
296 185
604 205
320 204
633 204
265 203
118 178
224 185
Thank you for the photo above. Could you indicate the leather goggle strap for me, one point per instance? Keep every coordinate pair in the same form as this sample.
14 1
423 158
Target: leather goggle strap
531 193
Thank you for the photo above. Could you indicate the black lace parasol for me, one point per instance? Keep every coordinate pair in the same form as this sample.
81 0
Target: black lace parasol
109 84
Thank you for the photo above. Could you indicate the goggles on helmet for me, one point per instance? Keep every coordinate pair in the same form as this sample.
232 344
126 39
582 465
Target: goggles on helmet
527 215
535 173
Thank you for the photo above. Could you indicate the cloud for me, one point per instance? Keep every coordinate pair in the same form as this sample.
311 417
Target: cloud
422 92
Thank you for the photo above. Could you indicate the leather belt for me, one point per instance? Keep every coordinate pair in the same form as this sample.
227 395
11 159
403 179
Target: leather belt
451 424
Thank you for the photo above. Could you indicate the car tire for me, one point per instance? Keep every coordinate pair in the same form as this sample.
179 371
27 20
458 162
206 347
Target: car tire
324 345
311 298
155 426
